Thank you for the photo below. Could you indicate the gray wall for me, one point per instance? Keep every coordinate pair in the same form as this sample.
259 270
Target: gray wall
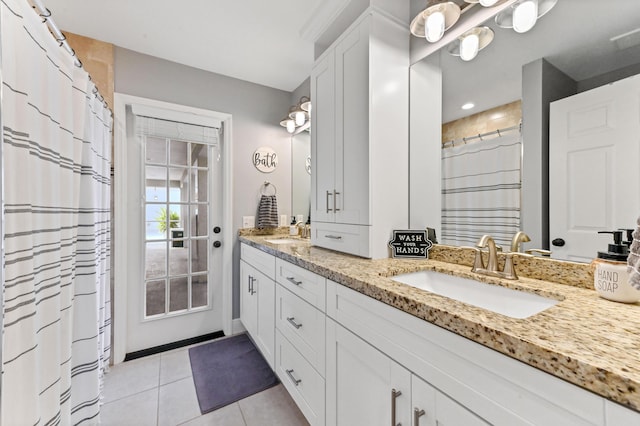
256 110
542 83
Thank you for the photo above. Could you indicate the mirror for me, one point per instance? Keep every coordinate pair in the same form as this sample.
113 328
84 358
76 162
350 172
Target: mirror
301 174
574 37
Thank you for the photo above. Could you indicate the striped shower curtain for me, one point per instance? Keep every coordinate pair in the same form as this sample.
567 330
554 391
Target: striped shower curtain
481 184
56 174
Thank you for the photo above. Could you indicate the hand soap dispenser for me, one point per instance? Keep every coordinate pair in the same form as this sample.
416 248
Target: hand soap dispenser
610 277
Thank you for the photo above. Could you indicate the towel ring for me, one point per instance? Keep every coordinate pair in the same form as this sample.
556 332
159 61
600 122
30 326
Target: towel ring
265 187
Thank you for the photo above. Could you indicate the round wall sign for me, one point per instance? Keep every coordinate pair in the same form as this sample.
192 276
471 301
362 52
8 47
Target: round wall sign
265 159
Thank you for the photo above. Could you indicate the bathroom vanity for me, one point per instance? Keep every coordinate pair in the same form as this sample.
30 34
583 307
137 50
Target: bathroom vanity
354 346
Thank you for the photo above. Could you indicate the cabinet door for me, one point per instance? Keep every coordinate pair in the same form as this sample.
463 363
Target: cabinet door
266 320
323 159
431 407
364 386
248 301
257 308
352 127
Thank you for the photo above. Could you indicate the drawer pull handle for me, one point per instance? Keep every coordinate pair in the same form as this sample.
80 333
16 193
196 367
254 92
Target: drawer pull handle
293 379
394 395
333 237
293 281
292 321
417 413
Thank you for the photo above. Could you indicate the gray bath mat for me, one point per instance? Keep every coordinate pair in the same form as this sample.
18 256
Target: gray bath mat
228 370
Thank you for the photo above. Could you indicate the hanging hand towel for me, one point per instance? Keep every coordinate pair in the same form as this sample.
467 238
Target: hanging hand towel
634 259
268 212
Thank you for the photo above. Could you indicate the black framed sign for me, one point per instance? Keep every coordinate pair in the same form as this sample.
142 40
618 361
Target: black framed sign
410 244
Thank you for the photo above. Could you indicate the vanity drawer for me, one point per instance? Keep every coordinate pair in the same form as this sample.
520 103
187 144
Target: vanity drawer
263 262
303 325
353 239
305 284
302 381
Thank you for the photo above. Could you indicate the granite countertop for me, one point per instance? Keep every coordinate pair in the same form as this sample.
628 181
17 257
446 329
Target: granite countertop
584 339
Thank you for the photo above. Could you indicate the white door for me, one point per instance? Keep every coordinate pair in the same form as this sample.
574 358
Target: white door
364 386
594 178
174 277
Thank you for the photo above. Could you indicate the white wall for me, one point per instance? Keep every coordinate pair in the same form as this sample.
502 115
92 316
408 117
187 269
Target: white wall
256 110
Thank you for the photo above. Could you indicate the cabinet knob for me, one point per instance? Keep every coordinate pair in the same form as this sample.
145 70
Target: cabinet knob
558 242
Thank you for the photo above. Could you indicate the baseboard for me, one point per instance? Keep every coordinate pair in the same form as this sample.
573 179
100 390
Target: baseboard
173 345
237 327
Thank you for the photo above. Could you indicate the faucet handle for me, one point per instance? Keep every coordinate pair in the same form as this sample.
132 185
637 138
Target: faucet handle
541 252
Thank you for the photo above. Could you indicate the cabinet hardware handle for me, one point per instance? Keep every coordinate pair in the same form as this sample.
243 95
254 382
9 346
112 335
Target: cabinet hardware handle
328 209
394 395
333 237
251 283
293 379
335 203
417 413
293 281
249 278
292 321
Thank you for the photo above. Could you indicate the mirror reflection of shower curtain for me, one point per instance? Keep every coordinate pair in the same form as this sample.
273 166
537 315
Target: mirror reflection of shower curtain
481 184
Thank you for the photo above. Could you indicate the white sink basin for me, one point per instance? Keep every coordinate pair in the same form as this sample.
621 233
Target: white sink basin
502 300
281 241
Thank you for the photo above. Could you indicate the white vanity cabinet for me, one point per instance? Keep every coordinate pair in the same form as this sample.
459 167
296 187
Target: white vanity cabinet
366 387
300 337
257 298
359 138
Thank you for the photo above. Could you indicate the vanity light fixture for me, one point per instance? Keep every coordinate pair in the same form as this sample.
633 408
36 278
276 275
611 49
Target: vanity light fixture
523 15
471 42
435 19
298 115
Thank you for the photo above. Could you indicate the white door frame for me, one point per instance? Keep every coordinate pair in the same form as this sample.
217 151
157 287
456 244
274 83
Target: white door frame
120 250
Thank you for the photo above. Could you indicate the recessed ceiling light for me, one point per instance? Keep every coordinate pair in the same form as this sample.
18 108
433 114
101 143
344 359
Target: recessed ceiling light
468 105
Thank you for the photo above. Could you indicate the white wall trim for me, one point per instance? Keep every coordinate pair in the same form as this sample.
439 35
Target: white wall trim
237 327
121 264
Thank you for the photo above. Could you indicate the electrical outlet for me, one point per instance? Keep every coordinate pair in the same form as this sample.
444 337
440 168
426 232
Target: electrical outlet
283 220
248 221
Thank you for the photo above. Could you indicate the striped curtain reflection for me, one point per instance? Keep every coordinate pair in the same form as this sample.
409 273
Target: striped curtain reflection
481 184
56 172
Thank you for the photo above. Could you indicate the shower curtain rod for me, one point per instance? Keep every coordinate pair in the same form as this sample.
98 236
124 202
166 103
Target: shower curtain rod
498 132
45 14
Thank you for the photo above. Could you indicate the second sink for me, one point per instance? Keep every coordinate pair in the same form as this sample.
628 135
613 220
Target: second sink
495 298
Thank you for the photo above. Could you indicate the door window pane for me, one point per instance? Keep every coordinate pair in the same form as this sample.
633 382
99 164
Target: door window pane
155 260
179 153
178 294
199 155
179 257
155 297
198 220
199 256
199 296
156 150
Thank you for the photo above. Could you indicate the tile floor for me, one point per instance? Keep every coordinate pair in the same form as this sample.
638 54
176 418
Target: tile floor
158 390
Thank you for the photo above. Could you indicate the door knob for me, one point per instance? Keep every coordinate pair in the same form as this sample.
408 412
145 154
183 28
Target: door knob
216 230
217 244
558 242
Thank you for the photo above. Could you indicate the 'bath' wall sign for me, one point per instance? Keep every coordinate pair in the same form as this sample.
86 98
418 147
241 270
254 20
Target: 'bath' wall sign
410 244
265 159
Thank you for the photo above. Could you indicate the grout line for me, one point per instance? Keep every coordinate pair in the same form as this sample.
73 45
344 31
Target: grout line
241 413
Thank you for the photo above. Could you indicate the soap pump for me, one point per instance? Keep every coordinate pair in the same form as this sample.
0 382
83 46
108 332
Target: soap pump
610 277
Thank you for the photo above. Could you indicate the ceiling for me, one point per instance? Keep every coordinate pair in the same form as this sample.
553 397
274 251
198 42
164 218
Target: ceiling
253 40
260 41
574 36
